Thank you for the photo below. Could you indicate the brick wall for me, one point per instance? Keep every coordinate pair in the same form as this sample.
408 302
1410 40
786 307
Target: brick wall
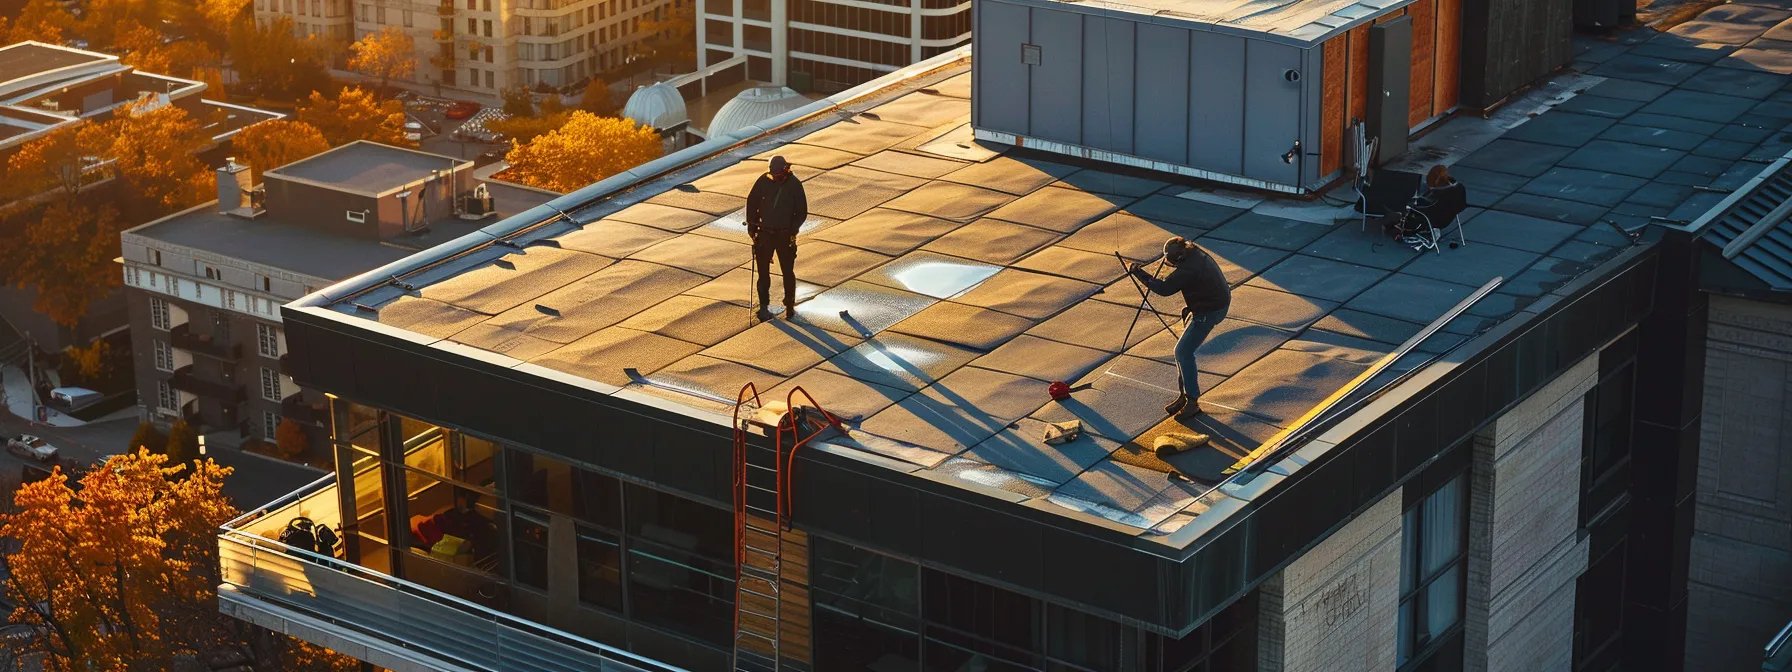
1533 553
1739 583
1339 600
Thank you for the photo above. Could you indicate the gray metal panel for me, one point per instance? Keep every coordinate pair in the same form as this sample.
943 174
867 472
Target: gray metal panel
1216 80
1313 70
1057 94
1162 113
1108 83
1390 73
1001 79
1272 120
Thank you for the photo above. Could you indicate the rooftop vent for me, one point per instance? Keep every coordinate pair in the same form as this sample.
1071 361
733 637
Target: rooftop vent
237 194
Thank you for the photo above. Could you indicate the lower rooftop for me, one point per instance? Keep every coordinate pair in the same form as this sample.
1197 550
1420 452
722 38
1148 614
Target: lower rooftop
945 282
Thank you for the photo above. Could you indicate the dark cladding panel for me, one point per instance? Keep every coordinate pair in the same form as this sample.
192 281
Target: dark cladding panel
1507 44
1162 110
1104 576
1108 80
1001 81
895 515
831 498
315 354
981 541
692 461
1216 78
1272 111
393 376
1056 99
1390 84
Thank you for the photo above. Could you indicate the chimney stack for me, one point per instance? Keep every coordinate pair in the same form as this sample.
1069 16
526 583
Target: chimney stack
236 191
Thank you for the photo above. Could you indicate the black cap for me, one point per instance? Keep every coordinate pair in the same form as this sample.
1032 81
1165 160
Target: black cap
779 165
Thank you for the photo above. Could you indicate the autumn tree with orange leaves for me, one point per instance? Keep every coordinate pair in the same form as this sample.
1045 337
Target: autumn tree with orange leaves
388 54
40 20
586 149
353 115
145 50
271 144
66 251
118 571
119 574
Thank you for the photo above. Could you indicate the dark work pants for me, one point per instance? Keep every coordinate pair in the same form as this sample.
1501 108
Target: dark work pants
763 247
1200 325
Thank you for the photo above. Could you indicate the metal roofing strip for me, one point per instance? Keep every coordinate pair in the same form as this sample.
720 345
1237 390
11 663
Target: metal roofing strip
1760 228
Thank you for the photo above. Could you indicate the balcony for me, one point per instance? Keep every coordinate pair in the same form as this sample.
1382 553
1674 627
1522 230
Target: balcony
445 9
383 620
184 380
182 336
294 408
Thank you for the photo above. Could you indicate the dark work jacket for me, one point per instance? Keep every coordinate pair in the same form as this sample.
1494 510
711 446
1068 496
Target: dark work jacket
778 208
1198 277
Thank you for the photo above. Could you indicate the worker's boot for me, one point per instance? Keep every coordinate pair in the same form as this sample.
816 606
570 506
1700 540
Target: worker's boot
1189 411
1176 406
764 314
790 311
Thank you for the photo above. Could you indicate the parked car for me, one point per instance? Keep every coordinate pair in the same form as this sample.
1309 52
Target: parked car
413 131
28 446
73 398
462 110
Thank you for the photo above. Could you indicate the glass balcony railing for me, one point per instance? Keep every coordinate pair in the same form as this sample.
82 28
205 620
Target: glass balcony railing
408 616
1777 657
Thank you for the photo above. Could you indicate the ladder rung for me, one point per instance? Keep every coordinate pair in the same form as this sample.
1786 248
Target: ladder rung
756 593
769 552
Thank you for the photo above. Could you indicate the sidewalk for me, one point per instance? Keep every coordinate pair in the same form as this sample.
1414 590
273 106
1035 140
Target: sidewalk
21 400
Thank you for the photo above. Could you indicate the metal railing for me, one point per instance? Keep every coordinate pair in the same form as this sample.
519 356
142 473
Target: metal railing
403 614
1777 656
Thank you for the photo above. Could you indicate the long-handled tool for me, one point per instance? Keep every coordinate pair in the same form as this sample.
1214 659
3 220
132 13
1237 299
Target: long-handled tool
1144 300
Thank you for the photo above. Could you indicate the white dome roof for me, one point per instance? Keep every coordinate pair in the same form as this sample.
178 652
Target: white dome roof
657 105
753 106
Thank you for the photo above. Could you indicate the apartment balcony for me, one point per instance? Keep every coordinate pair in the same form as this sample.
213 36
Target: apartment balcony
184 380
294 408
445 9
182 336
377 618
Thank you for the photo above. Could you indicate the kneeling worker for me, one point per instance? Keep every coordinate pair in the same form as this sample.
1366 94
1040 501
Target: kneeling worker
1207 297
776 209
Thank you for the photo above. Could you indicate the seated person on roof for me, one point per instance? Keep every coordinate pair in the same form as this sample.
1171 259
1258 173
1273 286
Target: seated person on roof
1439 199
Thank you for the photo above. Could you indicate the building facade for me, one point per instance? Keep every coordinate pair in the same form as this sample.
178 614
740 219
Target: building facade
487 46
203 286
827 46
1497 508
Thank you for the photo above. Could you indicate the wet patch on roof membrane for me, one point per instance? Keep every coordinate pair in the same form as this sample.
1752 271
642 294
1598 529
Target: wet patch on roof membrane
936 275
861 308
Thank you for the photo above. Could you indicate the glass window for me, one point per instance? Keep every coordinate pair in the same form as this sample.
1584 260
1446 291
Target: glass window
1605 445
166 399
981 610
270 384
158 314
1432 558
529 540
164 356
600 568
597 499
865 608
680 523
681 564
540 481
267 340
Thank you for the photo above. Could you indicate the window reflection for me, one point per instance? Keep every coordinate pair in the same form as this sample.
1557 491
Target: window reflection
681 564
867 609
529 539
600 568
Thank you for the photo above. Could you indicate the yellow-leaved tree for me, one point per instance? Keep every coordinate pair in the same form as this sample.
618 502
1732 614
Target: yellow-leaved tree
353 115
118 574
155 148
145 50
271 144
40 20
587 148
387 54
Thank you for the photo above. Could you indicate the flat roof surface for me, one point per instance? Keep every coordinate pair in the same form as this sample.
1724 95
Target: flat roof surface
232 117
946 282
25 59
367 166
310 251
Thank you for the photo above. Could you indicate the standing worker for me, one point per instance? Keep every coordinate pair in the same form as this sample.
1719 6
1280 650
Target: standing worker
1206 297
776 208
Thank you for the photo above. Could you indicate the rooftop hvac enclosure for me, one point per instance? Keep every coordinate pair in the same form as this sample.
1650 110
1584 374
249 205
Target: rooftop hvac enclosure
1233 92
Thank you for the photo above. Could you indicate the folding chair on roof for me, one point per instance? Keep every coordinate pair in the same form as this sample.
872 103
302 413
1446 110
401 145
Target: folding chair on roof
1429 216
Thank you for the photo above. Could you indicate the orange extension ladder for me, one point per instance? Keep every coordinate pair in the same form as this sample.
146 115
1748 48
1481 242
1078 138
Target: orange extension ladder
771 615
